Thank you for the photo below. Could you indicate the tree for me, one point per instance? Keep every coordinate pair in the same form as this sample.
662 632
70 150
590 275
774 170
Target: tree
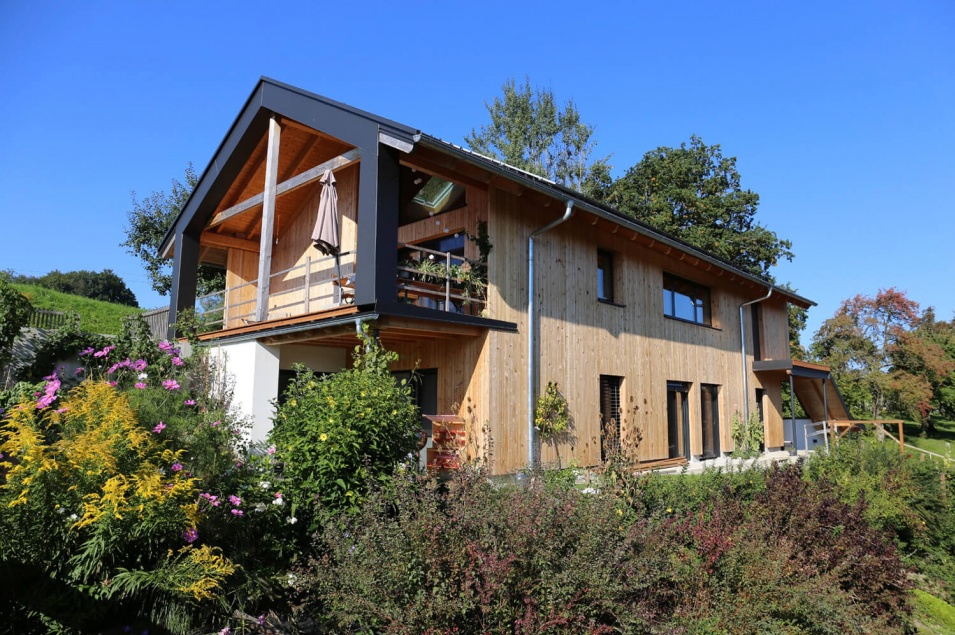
104 285
529 131
693 192
149 220
15 312
923 370
880 353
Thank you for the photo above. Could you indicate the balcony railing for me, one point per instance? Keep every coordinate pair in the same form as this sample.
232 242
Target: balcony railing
314 285
441 280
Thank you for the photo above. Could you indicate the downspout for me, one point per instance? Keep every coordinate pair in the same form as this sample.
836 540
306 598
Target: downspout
742 343
532 360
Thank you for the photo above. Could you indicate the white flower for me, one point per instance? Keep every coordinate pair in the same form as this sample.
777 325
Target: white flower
73 517
278 501
143 375
265 484
260 507
292 520
61 510
590 490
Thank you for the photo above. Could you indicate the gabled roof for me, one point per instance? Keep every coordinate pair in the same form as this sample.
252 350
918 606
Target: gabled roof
359 128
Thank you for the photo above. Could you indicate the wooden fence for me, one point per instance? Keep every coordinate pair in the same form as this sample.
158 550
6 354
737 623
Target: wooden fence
46 319
158 321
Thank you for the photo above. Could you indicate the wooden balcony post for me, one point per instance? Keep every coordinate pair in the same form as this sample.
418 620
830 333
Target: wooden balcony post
268 221
308 283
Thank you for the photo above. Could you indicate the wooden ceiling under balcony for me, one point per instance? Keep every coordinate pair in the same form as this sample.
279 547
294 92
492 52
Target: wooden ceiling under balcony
301 149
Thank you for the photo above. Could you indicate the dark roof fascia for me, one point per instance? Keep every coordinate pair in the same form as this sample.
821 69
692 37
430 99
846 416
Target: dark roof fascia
788 366
549 188
398 309
272 96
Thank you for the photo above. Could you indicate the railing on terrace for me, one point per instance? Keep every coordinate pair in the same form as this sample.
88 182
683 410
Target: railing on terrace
441 280
315 285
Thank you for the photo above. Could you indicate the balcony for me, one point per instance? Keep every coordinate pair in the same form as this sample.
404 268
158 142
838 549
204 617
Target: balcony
441 280
313 285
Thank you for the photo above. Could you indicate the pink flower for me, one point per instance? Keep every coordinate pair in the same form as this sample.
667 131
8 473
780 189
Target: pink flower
104 352
214 500
61 410
190 535
139 365
235 500
214 424
278 494
177 361
271 449
159 427
141 385
171 384
112 383
79 371
176 467
86 351
189 402
237 512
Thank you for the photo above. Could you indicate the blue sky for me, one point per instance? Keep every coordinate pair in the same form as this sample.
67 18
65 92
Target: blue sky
841 114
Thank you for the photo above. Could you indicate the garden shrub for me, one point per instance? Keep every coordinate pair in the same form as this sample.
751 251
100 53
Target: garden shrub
338 434
468 557
902 495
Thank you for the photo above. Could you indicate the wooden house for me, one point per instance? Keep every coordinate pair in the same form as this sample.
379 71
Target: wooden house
641 332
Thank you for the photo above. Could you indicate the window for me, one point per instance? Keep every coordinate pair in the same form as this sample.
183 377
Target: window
710 420
604 276
685 300
757 352
678 417
610 415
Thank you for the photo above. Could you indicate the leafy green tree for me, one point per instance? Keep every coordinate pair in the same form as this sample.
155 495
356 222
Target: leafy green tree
693 192
149 220
528 130
103 285
878 358
15 312
923 370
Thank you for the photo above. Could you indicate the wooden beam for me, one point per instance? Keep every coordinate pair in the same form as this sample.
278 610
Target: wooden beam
225 241
440 171
285 187
268 220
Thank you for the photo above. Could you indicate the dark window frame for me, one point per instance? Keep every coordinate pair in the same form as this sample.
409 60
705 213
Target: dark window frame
605 276
710 393
699 295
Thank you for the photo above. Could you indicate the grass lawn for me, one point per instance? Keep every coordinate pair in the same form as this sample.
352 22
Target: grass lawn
933 616
96 316
942 441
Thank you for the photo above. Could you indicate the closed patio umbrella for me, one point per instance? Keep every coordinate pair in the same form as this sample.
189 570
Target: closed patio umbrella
327 233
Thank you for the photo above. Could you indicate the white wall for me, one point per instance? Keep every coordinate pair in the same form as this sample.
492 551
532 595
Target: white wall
254 367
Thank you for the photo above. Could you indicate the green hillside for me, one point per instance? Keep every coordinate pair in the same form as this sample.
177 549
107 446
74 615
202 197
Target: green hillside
96 316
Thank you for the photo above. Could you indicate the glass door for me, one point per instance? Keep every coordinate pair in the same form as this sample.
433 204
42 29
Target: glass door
678 417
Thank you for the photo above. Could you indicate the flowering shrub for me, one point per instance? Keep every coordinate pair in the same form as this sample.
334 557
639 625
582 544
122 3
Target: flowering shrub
337 434
122 500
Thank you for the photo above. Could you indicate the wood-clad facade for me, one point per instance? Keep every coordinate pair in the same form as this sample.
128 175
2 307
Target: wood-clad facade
677 382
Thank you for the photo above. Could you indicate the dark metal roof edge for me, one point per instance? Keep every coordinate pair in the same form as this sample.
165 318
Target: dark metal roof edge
293 328
549 188
393 126
401 131
163 246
